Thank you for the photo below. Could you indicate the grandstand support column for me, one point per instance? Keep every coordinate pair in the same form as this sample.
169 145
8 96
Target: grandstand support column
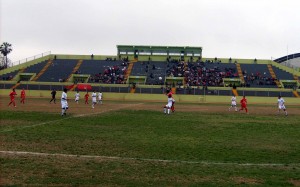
274 75
43 70
239 69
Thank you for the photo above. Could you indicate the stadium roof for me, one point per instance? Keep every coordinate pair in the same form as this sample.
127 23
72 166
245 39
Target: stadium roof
159 50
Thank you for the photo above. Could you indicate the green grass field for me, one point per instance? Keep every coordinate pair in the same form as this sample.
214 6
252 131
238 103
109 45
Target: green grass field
147 148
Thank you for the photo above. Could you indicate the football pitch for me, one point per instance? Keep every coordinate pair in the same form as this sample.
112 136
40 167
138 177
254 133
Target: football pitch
134 144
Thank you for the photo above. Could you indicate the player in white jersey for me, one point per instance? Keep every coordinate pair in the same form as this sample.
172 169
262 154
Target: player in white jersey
64 102
77 96
233 103
100 97
281 106
94 99
168 106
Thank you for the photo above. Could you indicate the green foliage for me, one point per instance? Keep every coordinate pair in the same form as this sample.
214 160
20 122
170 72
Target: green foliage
5 49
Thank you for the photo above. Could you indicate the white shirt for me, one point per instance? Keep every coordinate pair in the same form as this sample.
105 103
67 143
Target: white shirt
280 102
99 96
77 96
64 97
94 96
233 100
64 102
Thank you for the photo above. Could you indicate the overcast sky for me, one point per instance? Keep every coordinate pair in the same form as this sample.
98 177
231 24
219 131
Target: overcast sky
224 28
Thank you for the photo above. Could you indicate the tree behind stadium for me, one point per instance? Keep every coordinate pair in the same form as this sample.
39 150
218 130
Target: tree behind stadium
5 49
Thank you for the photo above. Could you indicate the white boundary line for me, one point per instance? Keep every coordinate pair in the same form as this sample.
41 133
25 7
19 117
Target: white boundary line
65 118
146 159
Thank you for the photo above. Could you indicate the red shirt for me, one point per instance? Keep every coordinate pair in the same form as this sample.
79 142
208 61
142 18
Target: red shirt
86 96
170 94
244 102
23 94
12 95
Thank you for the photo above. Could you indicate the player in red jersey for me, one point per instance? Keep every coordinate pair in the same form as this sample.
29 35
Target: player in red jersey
173 105
244 104
23 95
12 97
86 96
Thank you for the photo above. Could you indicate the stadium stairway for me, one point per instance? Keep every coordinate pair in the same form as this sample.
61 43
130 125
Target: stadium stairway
75 69
15 86
185 68
274 75
173 90
43 70
22 70
235 93
296 93
129 69
296 78
18 84
132 90
239 69
74 87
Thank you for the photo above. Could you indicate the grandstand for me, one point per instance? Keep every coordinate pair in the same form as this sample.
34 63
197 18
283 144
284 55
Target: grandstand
151 69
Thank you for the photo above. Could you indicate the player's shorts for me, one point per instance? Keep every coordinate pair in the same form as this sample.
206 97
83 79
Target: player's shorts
281 107
169 105
233 103
64 105
94 100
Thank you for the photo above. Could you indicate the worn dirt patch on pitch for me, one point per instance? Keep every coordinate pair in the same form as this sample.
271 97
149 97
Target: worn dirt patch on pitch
243 180
295 182
43 105
5 123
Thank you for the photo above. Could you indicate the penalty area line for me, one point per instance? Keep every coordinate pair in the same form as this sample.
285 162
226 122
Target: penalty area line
25 153
65 118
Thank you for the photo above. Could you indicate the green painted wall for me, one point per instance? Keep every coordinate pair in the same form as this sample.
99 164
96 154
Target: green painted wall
83 57
159 97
